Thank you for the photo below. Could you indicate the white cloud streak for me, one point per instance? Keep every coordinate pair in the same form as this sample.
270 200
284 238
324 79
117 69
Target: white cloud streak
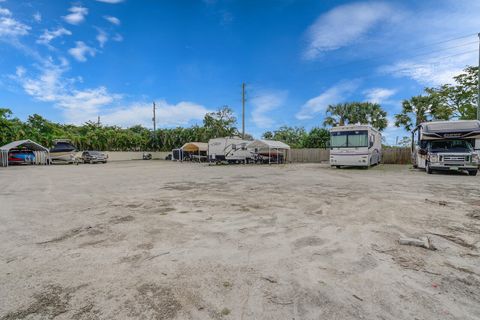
170 115
111 1
113 20
317 105
9 27
343 26
378 95
81 51
48 35
102 37
77 15
263 106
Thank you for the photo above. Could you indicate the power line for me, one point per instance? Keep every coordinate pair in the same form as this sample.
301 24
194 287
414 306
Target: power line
411 56
438 58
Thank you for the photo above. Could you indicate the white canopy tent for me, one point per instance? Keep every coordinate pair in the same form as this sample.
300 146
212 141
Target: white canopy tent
270 147
42 154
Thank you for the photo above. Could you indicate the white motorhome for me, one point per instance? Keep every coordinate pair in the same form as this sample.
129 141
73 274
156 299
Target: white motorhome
230 149
355 145
446 145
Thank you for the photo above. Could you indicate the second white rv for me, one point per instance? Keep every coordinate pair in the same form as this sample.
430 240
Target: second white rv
355 145
230 149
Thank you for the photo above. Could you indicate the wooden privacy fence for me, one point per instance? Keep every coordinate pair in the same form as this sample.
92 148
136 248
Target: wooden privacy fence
396 155
309 155
315 155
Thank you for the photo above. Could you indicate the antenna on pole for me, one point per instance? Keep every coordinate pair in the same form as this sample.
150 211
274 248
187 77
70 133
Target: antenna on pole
243 110
154 119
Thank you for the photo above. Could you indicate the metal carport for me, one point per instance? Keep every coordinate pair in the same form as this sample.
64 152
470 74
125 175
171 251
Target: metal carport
267 146
42 154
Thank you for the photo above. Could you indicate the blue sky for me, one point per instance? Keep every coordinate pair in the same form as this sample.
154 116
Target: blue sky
71 61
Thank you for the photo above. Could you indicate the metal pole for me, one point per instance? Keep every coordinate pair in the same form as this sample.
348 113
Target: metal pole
478 75
243 110
154 128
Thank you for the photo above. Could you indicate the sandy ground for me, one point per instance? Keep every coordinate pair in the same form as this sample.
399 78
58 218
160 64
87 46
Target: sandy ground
161 240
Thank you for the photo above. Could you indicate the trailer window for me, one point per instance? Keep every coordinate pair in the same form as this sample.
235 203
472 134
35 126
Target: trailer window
353 139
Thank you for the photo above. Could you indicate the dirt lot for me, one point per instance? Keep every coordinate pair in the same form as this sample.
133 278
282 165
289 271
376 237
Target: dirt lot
161 240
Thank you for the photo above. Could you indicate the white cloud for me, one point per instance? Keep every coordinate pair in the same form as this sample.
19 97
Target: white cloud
264 103
80 105
37 16
378 95
112 20
81 51
117 37
50 85
333 95
344 25
431 71
102 37
48 35
77 15
168 115
9 27
5 12
430 59
111 1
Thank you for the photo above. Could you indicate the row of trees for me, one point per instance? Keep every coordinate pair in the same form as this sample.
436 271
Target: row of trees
94 136
445 102
449 101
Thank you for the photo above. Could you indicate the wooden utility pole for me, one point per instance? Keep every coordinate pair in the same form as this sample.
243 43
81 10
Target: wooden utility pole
154 119
243 110
478 84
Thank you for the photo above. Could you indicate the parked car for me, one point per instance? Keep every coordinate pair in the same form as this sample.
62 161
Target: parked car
21 157
94 156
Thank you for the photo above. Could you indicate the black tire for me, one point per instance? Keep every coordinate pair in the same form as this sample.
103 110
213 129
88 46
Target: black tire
472 172
338 167
427 168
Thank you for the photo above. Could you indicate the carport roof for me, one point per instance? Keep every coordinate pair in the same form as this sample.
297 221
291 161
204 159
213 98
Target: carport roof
32 145
195 146
268 144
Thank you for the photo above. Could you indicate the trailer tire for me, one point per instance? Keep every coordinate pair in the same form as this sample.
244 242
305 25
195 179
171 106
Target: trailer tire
338 167
472 172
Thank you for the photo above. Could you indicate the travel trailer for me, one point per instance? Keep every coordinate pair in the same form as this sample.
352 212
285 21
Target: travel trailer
355 145
63 151
230 149
446 145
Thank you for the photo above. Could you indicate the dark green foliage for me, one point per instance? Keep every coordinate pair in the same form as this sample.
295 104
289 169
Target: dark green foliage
92 136
356 112
449 101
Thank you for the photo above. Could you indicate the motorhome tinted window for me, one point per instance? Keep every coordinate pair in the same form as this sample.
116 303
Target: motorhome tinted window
450 145
357 138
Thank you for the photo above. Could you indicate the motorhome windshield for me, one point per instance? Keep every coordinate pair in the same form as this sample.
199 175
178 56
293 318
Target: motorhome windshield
450 146
349 139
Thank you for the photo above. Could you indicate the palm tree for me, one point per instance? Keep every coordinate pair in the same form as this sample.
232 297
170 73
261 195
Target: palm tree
339 114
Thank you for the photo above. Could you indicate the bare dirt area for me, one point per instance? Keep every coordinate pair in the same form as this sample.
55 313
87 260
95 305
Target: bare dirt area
162 240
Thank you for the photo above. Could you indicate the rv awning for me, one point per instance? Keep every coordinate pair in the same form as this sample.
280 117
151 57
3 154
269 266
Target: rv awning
29 144
268 144
195 147
458 126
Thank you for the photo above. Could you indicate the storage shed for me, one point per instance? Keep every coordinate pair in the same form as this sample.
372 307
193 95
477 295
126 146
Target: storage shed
274 151
38 153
